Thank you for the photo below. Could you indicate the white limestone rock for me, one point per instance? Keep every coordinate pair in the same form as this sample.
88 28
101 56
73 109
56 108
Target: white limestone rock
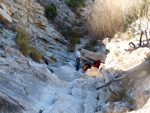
5 16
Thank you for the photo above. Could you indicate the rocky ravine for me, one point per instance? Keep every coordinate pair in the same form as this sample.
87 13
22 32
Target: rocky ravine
29 87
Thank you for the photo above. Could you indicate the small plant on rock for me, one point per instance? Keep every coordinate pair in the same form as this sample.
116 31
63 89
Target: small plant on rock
23 39
35 55
71 49
73 36
118 96
51 11
91 45
76 3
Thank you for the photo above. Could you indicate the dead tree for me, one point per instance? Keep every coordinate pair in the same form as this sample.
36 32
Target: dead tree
141 44
111 81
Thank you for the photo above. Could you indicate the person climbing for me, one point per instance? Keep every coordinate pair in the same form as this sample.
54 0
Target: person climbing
86 66
78 55
97 63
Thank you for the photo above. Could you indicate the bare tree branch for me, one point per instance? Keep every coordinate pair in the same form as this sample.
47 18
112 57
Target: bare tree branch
141 42
111 81
141 38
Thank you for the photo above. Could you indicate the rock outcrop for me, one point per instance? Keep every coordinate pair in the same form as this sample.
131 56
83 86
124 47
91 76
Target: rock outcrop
3 7
29 15
93 55
3 14
124 60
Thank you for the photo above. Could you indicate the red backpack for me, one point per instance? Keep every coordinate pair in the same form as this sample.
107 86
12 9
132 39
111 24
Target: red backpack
97 63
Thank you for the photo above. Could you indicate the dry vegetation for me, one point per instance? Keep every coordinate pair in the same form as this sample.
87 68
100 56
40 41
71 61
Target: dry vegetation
35 55
119 96
22 40
107 17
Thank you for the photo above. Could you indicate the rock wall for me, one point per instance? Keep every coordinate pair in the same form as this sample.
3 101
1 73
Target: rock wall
30 15
124 60
93 55
30 87
65 18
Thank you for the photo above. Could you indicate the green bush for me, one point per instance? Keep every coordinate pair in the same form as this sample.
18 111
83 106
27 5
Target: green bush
71 49
90 48
76 3
51 11
79 24
35 55
91 45
73 37
73 41
23 39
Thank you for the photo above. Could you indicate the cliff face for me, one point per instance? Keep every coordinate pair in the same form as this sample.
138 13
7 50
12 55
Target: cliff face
30 16
30 87
130 94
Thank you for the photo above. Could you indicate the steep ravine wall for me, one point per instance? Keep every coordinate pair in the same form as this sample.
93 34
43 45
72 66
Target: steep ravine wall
29 87
30 15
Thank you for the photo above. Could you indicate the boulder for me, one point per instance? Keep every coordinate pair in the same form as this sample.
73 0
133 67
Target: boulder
93 55
4 16
94 72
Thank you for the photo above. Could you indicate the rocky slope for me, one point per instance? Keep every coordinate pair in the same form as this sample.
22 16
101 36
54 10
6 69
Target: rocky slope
30 87
30 16
130 94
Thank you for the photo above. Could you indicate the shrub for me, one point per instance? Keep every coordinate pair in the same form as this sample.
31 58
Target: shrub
75 40
74 4
141 8
91 45
51 11
119 96
79 24
73 37
71 49
35 55
23 39
108 18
